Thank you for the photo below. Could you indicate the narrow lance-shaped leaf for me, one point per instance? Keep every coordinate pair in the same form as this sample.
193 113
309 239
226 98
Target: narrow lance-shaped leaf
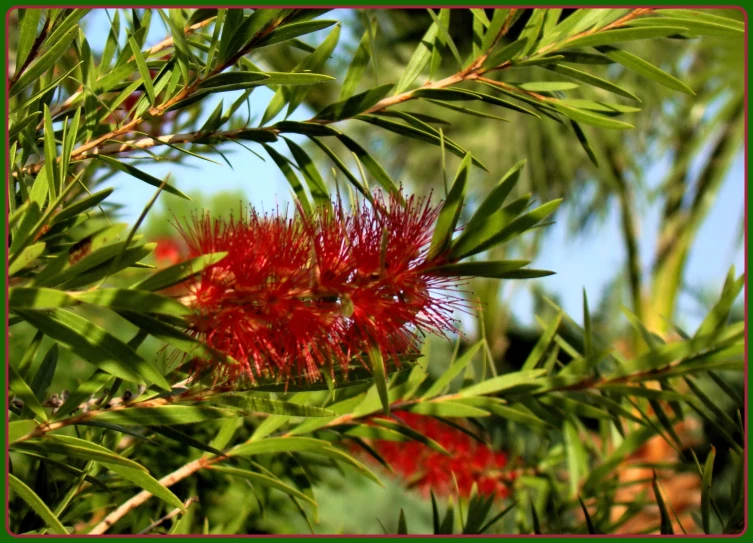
497 196
644 68
450 212
23 391
292 178
314 63
27 34
358 64
666 521
143 70
45 62
178 272
95 345
139 174
419 60
624 35
380 377
36 503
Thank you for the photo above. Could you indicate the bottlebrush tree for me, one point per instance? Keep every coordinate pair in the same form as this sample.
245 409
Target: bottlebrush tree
267 351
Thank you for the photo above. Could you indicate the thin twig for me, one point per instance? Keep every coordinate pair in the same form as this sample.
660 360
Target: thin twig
170 515
141 497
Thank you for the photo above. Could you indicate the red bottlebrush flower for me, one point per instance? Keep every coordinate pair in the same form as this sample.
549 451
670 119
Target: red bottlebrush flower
168 252
297 295
426 469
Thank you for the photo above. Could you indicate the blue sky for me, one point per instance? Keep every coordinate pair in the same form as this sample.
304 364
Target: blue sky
589 261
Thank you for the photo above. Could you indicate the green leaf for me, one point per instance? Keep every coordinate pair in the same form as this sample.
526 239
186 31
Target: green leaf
630 444
693 25
50 157
248 31
418 61
589 522
95 345
577 458
19 126
172 433
141 302
494 28
295 183
27 34
450 212
43 63
514 413
293 30
313 63
26 257
19 428
85 391
623 35
36 503
581 135
482 239
249 404
719 314
341 166
547 86
22 390
273 445
143 70
177 273
509 52
497 196
354 105
76 448
410 432
446 408
588 117
645 69
666 354
263 480
666 521
316 184
500 269
163 415
45 373
342 456
369 431
80 206
465 95
358 64
708 469
176 338
296 78
231 81
535 520
443 37
501 383
532 30
543 343
138 174
64 26
496 518
465 110
380 377
591 80
453 371
129 470
687 14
